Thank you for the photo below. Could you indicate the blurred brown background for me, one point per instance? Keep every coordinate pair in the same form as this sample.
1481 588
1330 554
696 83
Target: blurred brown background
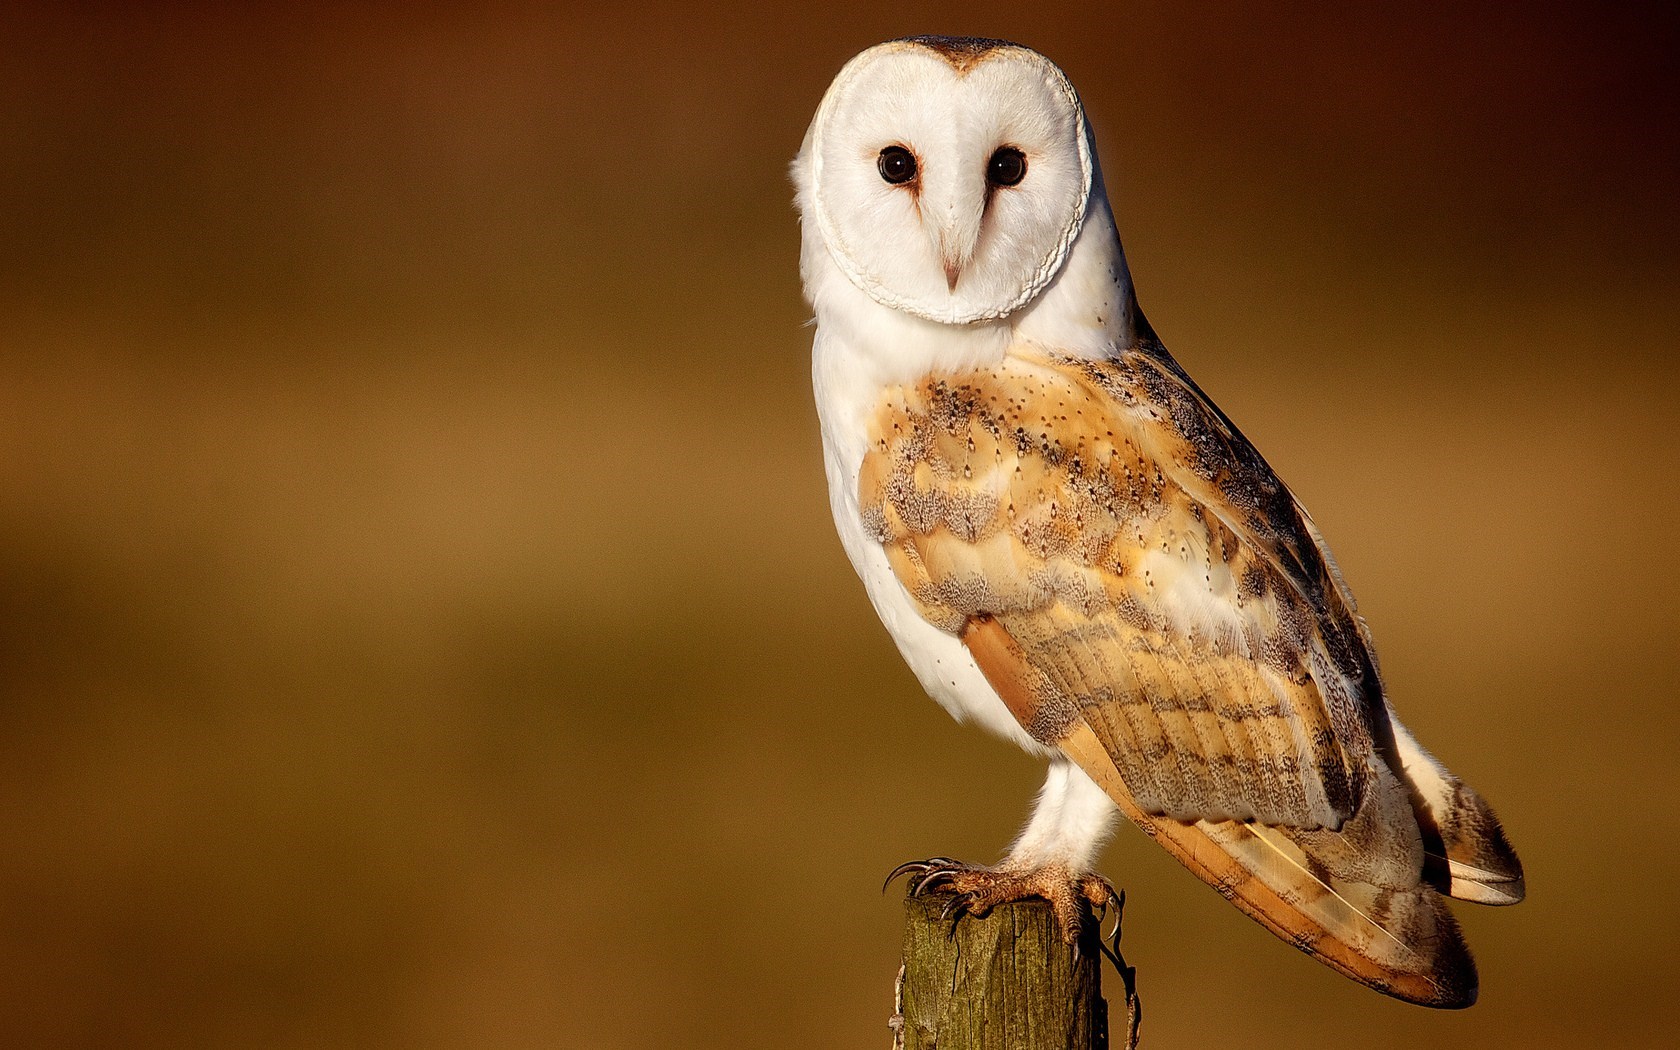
420 622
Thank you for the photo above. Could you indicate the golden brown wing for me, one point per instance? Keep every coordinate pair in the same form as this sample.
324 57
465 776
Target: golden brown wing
1150 567
1144 594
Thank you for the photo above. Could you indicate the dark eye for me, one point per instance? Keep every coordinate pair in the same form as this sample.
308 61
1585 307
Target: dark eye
897 165
1007 167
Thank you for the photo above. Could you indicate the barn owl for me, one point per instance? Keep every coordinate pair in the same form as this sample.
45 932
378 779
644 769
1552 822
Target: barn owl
1074 548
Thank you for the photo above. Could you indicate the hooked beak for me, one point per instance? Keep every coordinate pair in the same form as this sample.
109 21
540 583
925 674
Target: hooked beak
953 270
951 216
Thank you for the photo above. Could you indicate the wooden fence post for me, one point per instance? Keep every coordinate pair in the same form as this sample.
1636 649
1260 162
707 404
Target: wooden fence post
1004 982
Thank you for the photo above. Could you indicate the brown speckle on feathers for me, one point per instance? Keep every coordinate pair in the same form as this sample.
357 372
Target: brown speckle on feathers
1106 581
1143 592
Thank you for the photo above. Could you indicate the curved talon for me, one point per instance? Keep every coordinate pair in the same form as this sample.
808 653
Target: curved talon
925 868
1111 946
903 869
913 866
1119 914
959 905
932 879
945 870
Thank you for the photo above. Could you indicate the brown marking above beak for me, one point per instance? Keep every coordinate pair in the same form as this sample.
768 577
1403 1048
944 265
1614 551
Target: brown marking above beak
953 270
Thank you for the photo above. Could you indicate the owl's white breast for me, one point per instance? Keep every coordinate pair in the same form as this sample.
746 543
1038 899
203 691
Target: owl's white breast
845 394
862 349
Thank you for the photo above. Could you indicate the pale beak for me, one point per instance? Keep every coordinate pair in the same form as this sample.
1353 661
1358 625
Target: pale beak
953 270
951 216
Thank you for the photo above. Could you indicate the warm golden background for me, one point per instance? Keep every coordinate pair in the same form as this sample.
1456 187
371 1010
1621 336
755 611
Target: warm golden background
420 623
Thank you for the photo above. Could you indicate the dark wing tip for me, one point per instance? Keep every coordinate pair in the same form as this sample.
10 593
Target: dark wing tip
1450 982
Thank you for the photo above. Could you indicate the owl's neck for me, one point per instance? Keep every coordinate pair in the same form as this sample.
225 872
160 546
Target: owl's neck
1089 310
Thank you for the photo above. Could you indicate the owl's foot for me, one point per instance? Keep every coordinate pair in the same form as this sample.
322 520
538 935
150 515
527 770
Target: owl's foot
978 889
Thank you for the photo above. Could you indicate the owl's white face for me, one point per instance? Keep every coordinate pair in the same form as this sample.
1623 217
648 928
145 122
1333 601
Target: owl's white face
948 180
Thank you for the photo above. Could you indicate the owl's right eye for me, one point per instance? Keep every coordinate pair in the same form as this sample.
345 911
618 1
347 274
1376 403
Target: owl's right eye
897 165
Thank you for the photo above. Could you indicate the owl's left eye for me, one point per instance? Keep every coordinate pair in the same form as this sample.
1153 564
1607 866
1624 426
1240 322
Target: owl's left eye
897 165
1007 167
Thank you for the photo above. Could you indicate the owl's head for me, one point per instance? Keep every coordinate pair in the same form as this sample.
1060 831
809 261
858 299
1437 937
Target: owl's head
948 177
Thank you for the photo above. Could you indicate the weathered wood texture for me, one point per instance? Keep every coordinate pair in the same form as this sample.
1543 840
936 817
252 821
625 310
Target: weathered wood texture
1002 982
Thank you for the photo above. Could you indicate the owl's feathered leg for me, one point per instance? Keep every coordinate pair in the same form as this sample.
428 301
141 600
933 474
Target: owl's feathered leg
1051 859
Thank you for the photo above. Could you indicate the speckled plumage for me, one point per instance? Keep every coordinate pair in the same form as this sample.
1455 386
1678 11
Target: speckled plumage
1145 595
1071 545
1087 508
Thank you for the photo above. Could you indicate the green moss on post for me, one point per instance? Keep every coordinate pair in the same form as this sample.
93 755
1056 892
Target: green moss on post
1002 982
